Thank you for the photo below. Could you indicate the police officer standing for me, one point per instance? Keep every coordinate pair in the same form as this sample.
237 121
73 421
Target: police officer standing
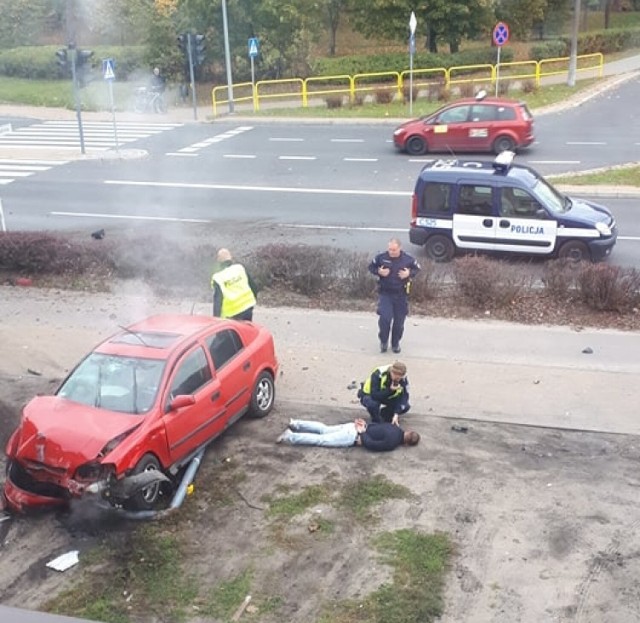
394 269
234 292
385 394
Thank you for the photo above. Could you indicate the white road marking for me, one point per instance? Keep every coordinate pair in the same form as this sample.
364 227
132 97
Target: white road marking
262 189
21 167
296 157
424 160
586 143
20 161
347 140
286 140
634 238
360 159
132 217
342 228
173 153
240 156
15 173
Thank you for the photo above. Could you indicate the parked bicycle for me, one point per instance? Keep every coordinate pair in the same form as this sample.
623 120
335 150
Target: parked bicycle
149 100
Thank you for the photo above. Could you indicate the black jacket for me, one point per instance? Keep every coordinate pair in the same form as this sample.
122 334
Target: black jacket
382 437
393 284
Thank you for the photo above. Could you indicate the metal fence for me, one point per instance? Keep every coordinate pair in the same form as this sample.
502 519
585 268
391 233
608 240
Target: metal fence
299 90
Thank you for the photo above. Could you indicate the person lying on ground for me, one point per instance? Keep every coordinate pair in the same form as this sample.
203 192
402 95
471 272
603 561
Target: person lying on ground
376 436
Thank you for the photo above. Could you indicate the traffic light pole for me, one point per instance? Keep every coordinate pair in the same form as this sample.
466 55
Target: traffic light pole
192 76
76 95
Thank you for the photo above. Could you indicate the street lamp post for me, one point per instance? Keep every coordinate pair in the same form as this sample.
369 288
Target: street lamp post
413 22
573 55
227 55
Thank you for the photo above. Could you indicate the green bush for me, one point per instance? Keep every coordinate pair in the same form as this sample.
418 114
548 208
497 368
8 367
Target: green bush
397 61
41 62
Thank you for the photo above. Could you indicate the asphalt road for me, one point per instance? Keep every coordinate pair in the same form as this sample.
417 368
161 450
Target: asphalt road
338 184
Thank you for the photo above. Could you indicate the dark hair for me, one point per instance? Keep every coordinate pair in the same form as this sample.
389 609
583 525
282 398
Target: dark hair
411 438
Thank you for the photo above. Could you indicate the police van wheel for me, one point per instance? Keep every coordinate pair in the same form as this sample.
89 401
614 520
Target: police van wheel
503 143
574 251
439 248
416 146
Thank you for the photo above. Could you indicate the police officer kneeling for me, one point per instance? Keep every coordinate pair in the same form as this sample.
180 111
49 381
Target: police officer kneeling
385 394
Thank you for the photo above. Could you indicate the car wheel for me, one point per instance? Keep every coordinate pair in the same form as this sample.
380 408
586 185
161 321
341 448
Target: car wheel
147 498
575 251
262 396
416 146
439 248
503 143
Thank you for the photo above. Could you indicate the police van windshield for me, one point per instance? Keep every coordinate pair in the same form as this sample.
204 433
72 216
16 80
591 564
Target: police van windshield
551 198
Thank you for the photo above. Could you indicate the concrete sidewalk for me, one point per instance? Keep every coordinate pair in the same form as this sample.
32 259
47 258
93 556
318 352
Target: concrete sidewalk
487 370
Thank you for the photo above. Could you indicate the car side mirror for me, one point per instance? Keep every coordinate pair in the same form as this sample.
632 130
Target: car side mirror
541 214
184 400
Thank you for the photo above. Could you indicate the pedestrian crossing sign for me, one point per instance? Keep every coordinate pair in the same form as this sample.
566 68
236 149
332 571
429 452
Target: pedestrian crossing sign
107 69
253 47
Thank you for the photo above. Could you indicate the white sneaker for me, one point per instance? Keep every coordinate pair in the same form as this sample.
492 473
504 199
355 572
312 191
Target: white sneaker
292 425
283 437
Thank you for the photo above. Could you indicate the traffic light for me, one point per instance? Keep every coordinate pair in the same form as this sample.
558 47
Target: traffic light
182 43
63 60
83 67
199 49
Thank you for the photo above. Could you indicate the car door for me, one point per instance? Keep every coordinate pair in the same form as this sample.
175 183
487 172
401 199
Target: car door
524 226
477 134
233 370
448 128
190 426
474 222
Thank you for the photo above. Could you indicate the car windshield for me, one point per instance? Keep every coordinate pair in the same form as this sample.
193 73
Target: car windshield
125 384
551 198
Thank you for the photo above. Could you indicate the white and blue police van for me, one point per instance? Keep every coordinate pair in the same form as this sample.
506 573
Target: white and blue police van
474 205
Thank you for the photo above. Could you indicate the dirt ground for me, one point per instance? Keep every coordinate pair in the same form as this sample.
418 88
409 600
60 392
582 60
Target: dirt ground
544 521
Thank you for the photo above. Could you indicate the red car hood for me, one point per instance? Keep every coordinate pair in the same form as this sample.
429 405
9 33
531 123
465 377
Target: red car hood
66 434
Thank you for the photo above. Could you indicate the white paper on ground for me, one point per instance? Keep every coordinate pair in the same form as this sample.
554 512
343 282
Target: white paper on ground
64 562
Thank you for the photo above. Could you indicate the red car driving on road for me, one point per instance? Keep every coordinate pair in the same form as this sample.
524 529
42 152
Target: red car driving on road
146 400
488 124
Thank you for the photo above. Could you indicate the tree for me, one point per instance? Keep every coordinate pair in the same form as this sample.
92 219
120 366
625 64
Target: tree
438 20
334 10
23 22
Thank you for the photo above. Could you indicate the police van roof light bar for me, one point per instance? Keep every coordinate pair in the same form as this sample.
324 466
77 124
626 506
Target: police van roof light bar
503 161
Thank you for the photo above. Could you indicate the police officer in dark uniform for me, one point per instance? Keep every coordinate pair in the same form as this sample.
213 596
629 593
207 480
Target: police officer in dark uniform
394 269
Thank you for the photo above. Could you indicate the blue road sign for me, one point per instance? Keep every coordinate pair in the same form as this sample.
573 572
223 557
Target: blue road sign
500 34
107 69
253 47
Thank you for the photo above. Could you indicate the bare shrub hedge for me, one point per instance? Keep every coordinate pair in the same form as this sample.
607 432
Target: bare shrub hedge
383 96
609 288
322 273
484 283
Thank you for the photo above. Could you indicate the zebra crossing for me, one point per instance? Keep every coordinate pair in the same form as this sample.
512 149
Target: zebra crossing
11 170
64 135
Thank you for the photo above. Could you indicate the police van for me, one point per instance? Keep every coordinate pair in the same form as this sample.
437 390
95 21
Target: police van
501 206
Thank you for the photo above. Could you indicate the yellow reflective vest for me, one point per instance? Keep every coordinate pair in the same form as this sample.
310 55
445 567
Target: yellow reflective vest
237 295
385 381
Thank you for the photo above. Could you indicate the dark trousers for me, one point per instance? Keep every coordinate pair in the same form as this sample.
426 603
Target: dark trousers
247 314
384 411
392 312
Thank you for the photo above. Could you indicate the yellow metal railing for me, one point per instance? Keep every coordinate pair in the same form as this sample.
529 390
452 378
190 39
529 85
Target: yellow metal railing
340 85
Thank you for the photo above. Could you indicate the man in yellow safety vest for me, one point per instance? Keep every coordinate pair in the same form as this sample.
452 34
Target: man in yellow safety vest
234 292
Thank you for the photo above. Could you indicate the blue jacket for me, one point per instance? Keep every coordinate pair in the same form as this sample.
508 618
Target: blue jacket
393 284
382 437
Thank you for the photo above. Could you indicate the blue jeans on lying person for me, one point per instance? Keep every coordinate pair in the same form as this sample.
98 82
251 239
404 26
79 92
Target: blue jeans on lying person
308 433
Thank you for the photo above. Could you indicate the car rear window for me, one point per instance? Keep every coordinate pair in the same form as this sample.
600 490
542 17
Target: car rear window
526 113
435 198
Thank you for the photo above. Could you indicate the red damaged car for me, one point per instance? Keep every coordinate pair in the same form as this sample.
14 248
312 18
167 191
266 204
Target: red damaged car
136 410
